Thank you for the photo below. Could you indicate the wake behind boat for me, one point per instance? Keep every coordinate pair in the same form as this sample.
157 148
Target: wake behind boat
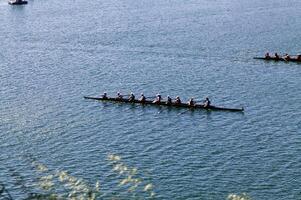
166 103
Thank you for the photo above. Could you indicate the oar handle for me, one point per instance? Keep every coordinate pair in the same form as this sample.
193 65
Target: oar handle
183 112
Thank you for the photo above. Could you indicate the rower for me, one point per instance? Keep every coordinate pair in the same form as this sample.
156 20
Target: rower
119 96
287 57
132 97
177 100
104 96
191 102
207 103
142 98
158 99
169 101
267 55
276 56
299 57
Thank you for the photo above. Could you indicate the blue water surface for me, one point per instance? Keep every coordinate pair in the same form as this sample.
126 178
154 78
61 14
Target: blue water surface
52 53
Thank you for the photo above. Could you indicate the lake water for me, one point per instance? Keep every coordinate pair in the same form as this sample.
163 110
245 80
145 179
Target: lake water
52 53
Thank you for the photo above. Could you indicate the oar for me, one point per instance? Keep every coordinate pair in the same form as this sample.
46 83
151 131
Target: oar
284 59
184 112
133 105
161 110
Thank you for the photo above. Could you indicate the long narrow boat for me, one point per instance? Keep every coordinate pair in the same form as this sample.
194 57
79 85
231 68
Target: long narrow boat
17 2
163 103
279 59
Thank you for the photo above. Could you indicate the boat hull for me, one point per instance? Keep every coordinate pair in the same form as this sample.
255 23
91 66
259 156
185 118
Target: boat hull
278 59
17 2
163 103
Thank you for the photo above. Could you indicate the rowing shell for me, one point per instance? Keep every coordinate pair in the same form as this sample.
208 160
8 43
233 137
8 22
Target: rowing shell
278 59
163 103
15 2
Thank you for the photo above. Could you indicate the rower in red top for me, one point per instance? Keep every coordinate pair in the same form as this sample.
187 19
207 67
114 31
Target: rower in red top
177 100
299 57
104 96
169 101
142 98
158 99
132 97
191 102
207 103
267 55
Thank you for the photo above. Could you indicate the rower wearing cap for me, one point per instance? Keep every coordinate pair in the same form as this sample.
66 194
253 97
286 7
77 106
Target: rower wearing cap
132 97
177 100
169 101
104 96
207 102
142 98
119 96
267 55
191 102
158 99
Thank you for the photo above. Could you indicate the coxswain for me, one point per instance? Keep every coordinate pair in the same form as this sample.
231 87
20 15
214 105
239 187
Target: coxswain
132 97
104 96
191 102
207 102
158 99
177 100
276 56
119 96
267 55
168 101
142 98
